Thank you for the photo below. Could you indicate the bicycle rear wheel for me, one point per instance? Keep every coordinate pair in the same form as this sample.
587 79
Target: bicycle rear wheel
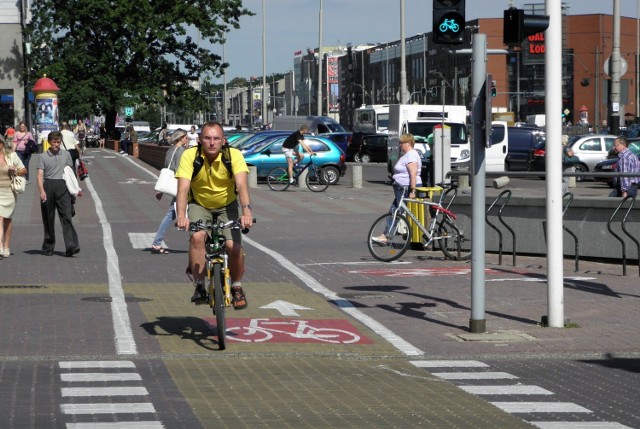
216 282
278 179
461 235
317 180
398 238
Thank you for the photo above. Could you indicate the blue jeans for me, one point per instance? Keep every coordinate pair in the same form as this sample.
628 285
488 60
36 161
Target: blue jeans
169 217
397 195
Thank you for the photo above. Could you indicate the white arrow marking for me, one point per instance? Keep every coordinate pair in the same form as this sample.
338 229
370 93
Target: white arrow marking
286 308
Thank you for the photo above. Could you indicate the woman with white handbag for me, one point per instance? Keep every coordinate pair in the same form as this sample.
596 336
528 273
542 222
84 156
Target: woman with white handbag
172 159
10 167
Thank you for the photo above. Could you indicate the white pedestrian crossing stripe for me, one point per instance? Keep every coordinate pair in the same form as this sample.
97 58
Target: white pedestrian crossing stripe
464 378
506 390
96 409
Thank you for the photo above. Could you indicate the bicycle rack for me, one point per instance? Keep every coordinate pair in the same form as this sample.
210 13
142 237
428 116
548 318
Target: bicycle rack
575 237
623 224
507 196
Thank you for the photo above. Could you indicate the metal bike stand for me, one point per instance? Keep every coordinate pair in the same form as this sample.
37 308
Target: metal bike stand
575 237
507 196
623 223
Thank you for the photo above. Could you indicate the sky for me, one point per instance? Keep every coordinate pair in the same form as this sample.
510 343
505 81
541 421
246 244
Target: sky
292 25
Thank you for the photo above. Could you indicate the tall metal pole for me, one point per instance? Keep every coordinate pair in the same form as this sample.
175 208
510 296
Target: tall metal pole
477 324
265 98
320 62
614 107
637 58
553 112
224 97
404 98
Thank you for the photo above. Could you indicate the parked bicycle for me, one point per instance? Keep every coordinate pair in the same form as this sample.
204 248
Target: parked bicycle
317 179
217 270
451 231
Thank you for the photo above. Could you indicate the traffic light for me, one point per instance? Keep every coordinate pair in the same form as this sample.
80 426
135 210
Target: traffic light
517 25
494 92
448 22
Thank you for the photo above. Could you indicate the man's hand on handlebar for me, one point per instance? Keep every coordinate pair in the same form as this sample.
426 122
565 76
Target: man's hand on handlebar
182 223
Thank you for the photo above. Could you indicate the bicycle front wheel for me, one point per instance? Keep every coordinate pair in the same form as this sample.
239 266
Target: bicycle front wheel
397 237
216 282
278 179
456 241
317 180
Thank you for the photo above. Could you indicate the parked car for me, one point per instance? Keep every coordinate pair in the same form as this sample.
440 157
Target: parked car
521 140
340 138
269 155
251 139
355 144
373 148
591 149
609 164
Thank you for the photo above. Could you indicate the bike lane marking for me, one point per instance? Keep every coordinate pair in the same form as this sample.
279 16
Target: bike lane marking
398 342
280 330
124 341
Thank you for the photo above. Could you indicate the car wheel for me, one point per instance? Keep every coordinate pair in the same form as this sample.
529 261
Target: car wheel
333 174
581 168
357 157
366 158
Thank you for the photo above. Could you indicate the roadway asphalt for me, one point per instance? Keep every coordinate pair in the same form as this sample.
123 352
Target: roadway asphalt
108 336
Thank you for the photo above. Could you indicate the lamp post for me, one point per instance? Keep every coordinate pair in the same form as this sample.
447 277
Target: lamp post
319 100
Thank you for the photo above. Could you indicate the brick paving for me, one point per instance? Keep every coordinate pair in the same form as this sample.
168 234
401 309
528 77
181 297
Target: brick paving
57 308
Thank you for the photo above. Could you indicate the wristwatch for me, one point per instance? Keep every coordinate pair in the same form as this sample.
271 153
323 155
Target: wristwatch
246 206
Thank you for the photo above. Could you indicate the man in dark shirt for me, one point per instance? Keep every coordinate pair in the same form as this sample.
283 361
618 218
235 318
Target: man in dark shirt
290 148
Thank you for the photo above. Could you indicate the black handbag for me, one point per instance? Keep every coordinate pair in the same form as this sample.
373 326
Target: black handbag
31 147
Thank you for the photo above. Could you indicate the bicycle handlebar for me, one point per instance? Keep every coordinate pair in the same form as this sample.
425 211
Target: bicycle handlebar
199 225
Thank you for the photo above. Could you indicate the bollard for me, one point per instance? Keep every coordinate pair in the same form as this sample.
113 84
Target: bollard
572 180
302 180
463 183
253 176
357 176
136 152
500 182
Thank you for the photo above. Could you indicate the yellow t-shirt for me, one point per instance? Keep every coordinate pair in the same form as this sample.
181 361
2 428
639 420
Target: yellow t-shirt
211 188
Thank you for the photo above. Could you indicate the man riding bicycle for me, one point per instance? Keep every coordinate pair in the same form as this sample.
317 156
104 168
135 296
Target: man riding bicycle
213 193
290 149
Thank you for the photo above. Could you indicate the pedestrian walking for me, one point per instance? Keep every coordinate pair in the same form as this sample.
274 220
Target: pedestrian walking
171 161
54 195
10 165
627 163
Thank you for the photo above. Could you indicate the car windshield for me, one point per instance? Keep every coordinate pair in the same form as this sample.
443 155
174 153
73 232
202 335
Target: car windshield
424 129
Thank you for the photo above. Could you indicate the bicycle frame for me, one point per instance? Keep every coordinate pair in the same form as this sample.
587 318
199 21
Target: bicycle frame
439 209
310 165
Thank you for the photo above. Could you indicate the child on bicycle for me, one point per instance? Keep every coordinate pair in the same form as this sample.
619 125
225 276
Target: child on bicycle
291 148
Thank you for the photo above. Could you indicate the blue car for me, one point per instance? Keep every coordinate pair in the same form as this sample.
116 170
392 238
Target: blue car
249 140
269 154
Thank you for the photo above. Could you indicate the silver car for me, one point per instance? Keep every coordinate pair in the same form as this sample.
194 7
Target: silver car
591 149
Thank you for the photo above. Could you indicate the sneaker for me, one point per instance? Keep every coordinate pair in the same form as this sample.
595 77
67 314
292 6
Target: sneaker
6 252
239 298
125 154
292 181
72 251
121 151
199 295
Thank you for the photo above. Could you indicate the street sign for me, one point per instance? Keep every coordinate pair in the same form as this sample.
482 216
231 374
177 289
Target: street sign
128 111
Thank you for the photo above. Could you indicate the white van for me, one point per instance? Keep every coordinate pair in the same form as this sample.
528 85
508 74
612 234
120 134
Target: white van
139 126
317 124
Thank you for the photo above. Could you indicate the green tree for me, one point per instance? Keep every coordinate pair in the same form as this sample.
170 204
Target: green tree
108 54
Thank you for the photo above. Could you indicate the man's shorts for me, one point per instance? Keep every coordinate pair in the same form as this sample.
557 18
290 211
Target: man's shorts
291 153
224 214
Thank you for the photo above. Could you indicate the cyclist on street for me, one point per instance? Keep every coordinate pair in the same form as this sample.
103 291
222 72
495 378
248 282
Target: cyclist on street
217 191
291 149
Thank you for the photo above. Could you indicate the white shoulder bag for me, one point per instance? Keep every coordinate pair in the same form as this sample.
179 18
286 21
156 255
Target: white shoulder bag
167 182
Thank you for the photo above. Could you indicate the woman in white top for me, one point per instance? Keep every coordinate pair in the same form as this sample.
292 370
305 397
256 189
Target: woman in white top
193 137
406 177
